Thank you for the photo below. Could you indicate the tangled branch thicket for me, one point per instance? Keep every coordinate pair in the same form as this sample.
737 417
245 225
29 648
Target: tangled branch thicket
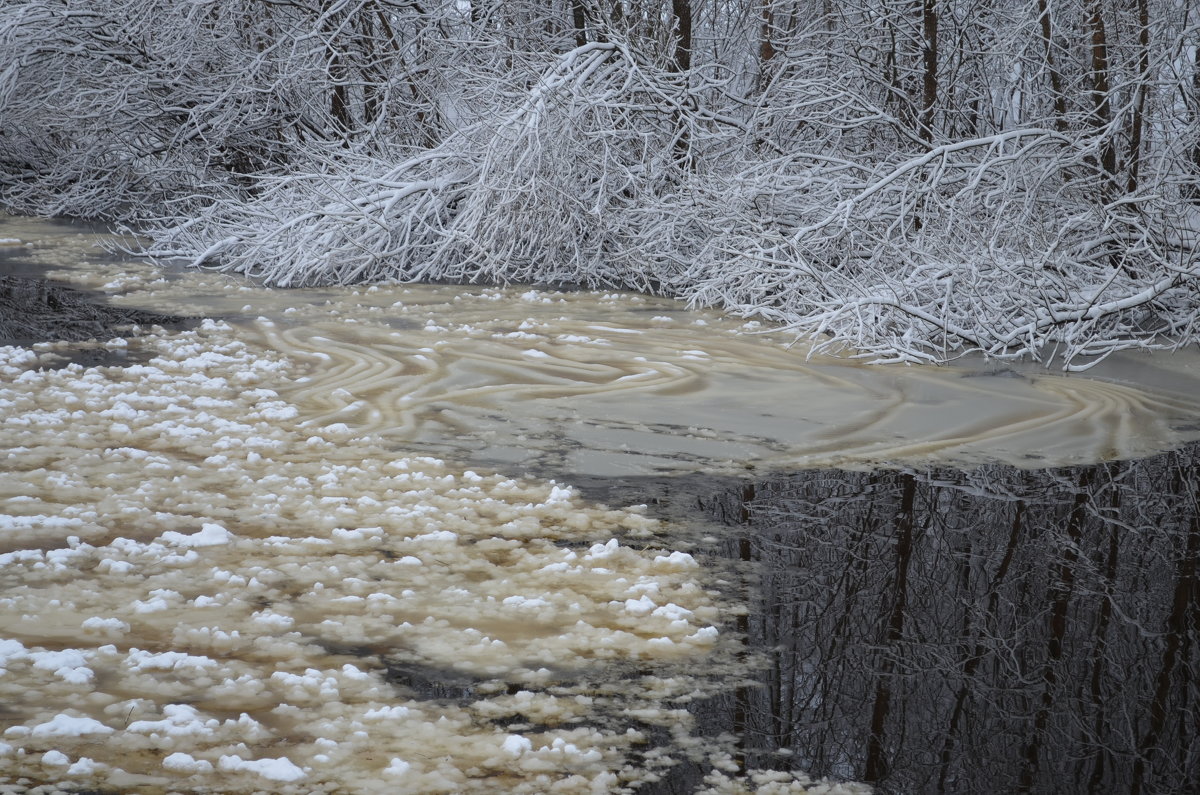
905 180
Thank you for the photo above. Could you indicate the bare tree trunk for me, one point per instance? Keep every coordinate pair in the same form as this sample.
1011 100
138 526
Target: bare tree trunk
1056 82
929 72
682 11
579 19
1101 91
339 99
1139 105
766 47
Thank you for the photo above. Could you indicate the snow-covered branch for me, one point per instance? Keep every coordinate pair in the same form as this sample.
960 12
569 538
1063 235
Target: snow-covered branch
821 170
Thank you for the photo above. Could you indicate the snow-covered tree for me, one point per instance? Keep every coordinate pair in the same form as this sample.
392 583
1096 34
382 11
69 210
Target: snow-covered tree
909 178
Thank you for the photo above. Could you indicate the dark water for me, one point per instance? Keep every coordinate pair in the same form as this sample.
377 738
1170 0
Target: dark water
36 310
988 631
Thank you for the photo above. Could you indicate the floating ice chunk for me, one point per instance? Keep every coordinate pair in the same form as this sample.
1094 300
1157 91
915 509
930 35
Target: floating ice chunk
516 745
177 661
559 494
264 618
398 767
185 763
354 672
161 599
67 664
640 606
104 626
110 566
281 769
210 535
525 602
181 720
533 353
680 560
387 713
11 650
56 758
437 535
338 431
601 551
83 766
558 567
63 725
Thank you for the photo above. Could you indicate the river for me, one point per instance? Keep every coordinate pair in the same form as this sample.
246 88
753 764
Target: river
441 538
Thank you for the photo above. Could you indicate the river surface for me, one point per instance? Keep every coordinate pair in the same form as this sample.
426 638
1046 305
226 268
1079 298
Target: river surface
444 538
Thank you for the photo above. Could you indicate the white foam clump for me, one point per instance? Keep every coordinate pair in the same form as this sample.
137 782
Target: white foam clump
310 540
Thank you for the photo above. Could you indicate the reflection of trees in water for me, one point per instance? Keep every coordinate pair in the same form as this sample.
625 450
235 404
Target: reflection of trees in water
990 631
36 310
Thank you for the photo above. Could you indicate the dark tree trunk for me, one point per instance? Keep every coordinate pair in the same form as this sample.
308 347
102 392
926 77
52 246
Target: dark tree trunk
1101 90
1139 105
579 19
1056 82
929 71
682 10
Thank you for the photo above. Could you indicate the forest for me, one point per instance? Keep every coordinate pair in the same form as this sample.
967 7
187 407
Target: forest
907 180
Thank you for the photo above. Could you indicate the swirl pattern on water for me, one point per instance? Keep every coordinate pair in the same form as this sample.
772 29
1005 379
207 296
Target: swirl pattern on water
616 384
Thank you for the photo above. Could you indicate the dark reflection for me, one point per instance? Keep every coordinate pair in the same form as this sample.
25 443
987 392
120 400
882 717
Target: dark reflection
35 310
982 632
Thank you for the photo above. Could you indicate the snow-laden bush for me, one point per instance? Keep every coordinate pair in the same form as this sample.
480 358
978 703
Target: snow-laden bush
606 173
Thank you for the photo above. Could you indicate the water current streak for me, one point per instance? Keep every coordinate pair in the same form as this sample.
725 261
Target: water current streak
553 388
